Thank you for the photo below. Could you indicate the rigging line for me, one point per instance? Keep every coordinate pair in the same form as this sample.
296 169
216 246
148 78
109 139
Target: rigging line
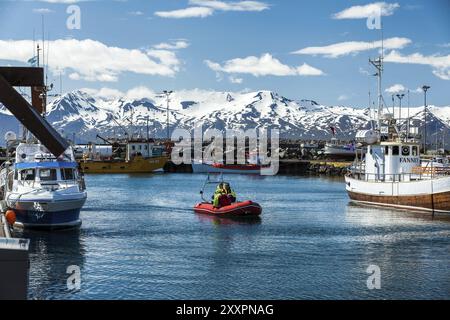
34 42
48 51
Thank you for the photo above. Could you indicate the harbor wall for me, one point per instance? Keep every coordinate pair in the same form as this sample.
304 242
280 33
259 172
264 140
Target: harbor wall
287 167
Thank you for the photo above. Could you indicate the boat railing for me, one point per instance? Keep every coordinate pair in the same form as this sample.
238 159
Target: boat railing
415 175
432 170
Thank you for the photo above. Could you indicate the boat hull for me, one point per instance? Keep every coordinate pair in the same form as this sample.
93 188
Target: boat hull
33 219
48 214
426 195
134 166
439 202
338 153
239 209
198 167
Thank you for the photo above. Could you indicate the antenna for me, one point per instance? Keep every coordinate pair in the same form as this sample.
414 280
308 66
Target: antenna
43 43
167 94
34 43
408 123
48 51
378 64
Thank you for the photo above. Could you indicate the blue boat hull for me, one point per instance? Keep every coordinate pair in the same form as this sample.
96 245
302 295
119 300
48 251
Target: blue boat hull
48 220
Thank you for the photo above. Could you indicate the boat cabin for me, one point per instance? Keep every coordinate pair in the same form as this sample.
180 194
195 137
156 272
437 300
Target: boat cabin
143 149
391 161
34 164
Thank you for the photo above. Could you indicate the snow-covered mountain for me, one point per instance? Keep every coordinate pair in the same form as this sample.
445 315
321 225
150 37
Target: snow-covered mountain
86 116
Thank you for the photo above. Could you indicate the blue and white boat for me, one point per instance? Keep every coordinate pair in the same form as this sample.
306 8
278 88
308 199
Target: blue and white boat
44 191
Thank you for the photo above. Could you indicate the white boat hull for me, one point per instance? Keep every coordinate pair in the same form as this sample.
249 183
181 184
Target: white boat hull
426 194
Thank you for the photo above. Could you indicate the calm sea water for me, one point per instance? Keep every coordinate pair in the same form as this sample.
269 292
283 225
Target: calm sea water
140 239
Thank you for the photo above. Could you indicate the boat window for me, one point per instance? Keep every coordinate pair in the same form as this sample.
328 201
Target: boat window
27 174
47 174
414 151
395 150
133 147
386 150
67 174
405 151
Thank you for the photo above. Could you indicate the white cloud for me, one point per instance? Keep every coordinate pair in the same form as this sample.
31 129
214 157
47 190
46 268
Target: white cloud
266 65
353 47
42 10
235 80
399 88
231 6
343 97
396 88
205 8
364 71
135 13
307 70
173 45
93 60
440 64
140 92
63 1
191 12
109 94
104 93
365 11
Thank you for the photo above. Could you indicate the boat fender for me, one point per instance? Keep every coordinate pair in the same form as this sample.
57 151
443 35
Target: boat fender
10 216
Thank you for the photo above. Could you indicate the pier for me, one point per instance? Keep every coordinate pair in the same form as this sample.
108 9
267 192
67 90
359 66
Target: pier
293 167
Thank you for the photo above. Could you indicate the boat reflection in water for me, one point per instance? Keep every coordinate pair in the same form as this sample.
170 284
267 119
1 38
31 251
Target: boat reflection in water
374 215
251 220
51 253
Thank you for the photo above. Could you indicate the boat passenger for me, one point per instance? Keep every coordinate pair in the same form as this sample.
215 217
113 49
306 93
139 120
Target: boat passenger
230 193
220 198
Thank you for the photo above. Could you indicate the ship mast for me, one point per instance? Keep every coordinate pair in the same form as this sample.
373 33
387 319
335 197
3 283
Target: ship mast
378 64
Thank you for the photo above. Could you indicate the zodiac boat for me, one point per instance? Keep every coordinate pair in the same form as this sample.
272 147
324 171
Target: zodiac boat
238 209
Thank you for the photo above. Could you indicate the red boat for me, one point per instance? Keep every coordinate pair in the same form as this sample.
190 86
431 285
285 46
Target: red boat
239 209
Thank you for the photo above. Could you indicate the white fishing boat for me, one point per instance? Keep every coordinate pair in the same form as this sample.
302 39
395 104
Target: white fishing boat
42 190
391 173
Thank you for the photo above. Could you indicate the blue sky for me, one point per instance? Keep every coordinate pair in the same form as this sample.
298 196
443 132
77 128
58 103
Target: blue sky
236 45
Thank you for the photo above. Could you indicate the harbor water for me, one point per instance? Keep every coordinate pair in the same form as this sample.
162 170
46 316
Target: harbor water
140 239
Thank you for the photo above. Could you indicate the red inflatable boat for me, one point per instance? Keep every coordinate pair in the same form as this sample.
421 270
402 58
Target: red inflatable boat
238 209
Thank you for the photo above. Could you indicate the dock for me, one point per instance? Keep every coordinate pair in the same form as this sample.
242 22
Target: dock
287 167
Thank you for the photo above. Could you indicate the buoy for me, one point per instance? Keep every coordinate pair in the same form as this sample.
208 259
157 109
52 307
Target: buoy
10 216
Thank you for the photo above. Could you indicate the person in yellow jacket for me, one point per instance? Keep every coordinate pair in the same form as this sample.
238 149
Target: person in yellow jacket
220 191
230 192
223 195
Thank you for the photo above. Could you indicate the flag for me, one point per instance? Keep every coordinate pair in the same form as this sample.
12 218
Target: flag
33 61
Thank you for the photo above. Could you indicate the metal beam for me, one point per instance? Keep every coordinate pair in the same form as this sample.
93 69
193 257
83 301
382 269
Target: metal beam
23 76
27 115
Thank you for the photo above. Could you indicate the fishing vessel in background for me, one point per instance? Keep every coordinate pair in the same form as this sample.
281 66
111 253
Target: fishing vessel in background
336 150
251 166
131 156
216 167
390 172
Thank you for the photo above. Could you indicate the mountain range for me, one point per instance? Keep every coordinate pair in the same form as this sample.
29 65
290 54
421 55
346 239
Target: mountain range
86 115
